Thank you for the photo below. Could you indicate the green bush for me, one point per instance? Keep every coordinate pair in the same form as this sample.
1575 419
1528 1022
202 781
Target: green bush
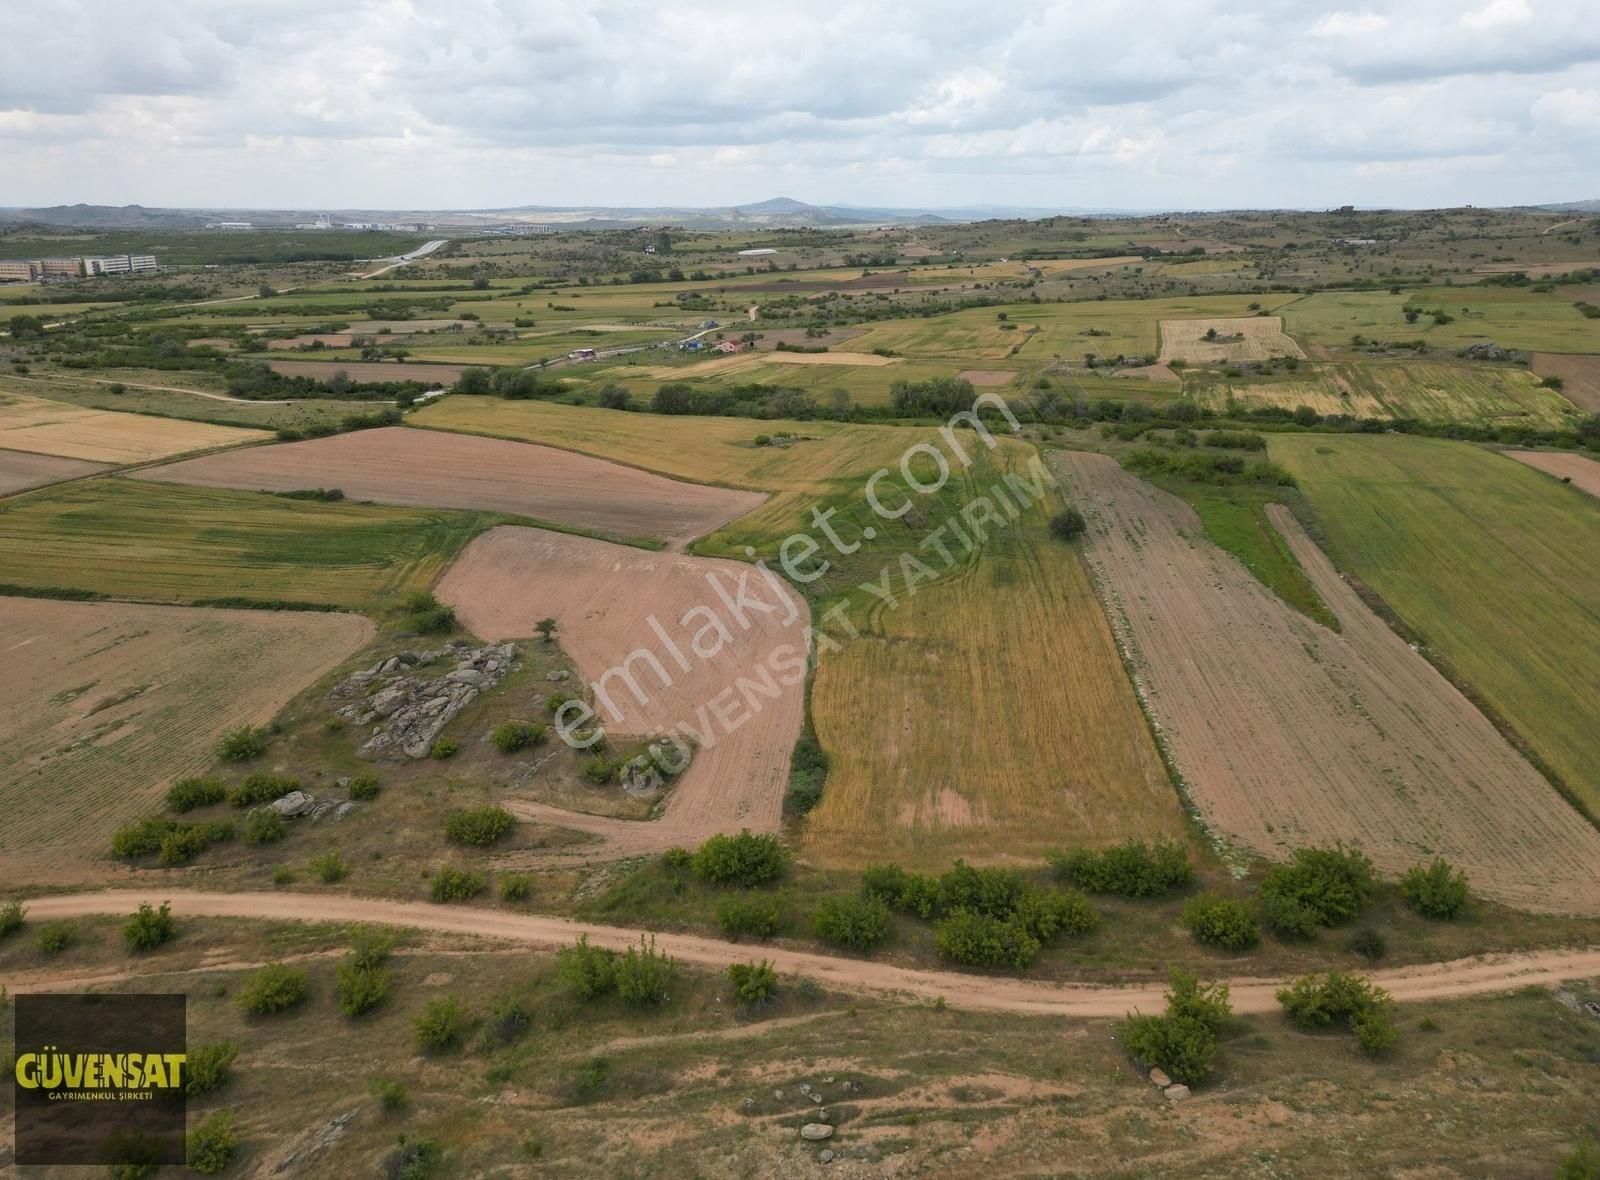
263 826
141 838
1582 1163
756 915
1318 887
55 937
808 775
1067 525
644 976
509 1019
1183 1041
1238 440
443 748
586 971
441 1025
478 826
981 941
413 1159
1221 922
1130 869
426 615
391 1095
274 988
149 927
515 887
1323 1001
1367 943
262 787
183 842
242 744
361 988
209 1066
329 868
745 859
11 914
188 793
753 983
209 1147
1435 890
511 736
364 786
457 884
856 923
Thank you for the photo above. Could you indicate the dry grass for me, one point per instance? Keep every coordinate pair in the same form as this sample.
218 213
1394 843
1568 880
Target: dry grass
1249 338
102 436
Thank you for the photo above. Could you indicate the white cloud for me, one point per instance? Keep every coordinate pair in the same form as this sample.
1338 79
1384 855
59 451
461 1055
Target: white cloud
1498 14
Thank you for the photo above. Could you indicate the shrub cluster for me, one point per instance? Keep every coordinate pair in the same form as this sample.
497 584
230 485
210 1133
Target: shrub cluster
511 736
363 976
209 1147
263 826
426 615
262 787
1183 1042
11 917
808 774
55 937
478 826
364 786
330 867
188 793
640 978
855 923
753 983
1212 469
984 917
1435 890
1067 525
242 744
172 842
1221 922
1236 440
456 884
441 1025
746 859
1322 1001
274 988
209 1066
1318 887
755 915
1130 869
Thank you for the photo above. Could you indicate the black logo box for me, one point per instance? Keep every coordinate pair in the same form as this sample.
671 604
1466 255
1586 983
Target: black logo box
107 1126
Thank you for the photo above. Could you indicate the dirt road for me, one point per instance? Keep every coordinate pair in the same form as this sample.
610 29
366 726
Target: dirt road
1431 981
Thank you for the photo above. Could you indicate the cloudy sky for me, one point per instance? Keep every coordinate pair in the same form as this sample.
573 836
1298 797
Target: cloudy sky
1085 103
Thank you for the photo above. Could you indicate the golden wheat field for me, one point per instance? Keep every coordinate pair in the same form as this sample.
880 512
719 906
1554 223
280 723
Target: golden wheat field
105 436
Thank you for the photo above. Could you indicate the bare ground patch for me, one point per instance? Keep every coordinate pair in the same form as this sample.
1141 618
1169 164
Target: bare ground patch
732 676
1246 338
1578 470
1580 377
368 370
20 470
435 469
1288 734
102 705
987 376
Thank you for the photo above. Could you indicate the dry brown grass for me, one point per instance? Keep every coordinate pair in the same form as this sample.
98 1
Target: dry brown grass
1248 338
104 436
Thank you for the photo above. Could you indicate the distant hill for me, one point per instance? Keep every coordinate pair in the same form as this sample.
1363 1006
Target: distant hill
1573 207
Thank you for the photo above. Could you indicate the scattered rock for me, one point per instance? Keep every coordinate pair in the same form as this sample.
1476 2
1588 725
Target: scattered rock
1176 1093
1160 1078
557 675
406 712
826 1157
748 1106
777 1093
345 809
294 803
816 1132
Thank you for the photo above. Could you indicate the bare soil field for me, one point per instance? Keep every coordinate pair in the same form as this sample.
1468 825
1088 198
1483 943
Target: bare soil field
1580 377
730 679
326 339
1579 470
20 470
368 370
1247 338
103 705
1287 734
987 376
435 469
105 436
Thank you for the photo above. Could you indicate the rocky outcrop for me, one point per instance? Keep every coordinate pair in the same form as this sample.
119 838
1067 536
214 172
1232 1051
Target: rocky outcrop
408 711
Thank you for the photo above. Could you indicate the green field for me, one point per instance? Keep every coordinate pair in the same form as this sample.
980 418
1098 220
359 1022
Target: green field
1512 317
1491 563
128 538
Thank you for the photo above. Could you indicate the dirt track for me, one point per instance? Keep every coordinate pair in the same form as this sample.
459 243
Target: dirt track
1288 734
735 697
1432 981
434 469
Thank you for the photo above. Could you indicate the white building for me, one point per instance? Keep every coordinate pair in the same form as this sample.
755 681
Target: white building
120 264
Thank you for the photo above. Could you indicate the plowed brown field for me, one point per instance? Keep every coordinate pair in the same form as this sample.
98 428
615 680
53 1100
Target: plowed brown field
102 705
1580 470
20 470
1288 734
744 700
1580 377
433 469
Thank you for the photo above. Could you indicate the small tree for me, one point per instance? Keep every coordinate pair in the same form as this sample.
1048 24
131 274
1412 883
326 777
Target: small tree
586 971
210 1146
441 1025
753 983
209 1066
55 937
451 884
242 744
511 736
1183 1042
263 826
478 826
1435 890
329 868
1067 525
515 887
11 914
856 923
274 988
1222 922
644 975
149 927
391 1095
754 914
746 859
364 786
547 629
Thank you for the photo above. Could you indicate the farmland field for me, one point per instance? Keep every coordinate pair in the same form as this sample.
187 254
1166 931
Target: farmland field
104 704
988 716
130 538
738 697
1288 734
1578 470
368 371
1510 317
100 436
1579 375
20 470
1491 563
1248 338
435 469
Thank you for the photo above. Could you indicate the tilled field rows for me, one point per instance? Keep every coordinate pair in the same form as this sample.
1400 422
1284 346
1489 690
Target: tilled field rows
1288 734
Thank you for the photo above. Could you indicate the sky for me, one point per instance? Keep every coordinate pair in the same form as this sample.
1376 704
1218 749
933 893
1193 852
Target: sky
395 104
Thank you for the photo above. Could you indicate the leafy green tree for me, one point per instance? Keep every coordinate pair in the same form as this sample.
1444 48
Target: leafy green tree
1435 890
1067 525
746 859
856 923
272 989
441 1026
210 1146
209 1066
753 983
1222 922
150 927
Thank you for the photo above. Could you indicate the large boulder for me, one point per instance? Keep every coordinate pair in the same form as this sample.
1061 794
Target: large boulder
816 1132
294 803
